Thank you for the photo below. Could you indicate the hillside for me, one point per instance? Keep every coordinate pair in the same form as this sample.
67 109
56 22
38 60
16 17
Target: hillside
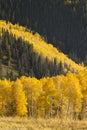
39 92
61 22
40 46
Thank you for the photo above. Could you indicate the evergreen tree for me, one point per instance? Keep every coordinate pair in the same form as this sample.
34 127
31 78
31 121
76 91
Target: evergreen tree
0 69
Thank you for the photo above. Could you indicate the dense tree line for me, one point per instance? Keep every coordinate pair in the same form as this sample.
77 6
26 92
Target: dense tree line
59 96
62 22
21 56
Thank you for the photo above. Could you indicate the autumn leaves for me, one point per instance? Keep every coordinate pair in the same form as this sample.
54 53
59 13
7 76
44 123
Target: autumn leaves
61 96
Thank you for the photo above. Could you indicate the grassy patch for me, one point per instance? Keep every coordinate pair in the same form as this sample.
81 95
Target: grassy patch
16 123
8 69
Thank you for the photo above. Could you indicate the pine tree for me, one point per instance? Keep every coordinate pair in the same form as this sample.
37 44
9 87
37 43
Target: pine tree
0 69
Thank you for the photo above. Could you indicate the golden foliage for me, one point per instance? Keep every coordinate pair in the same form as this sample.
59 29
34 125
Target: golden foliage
56 96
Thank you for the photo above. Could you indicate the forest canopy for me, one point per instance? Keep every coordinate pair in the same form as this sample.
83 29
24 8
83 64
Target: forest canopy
47 97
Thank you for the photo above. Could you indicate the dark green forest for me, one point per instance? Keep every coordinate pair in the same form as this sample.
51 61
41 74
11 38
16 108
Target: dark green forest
61 22
19 55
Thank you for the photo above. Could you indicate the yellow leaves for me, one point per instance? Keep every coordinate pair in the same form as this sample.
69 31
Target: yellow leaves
31 85
5 96
5 88
73 92
44 97
49 87
82 77
19 98
73 86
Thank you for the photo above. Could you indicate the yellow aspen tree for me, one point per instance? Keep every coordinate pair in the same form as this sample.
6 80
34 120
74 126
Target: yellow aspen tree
19 99
5 96
74 95
82 76
33 89
42 102
60 83
48 96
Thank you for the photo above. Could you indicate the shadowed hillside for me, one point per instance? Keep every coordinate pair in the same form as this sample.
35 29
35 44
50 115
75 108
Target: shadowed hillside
41 51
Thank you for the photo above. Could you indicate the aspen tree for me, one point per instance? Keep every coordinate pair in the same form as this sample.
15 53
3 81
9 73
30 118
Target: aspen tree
20 101
74 95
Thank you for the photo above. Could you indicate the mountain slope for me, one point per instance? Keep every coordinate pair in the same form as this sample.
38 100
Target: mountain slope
40 46
63 22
